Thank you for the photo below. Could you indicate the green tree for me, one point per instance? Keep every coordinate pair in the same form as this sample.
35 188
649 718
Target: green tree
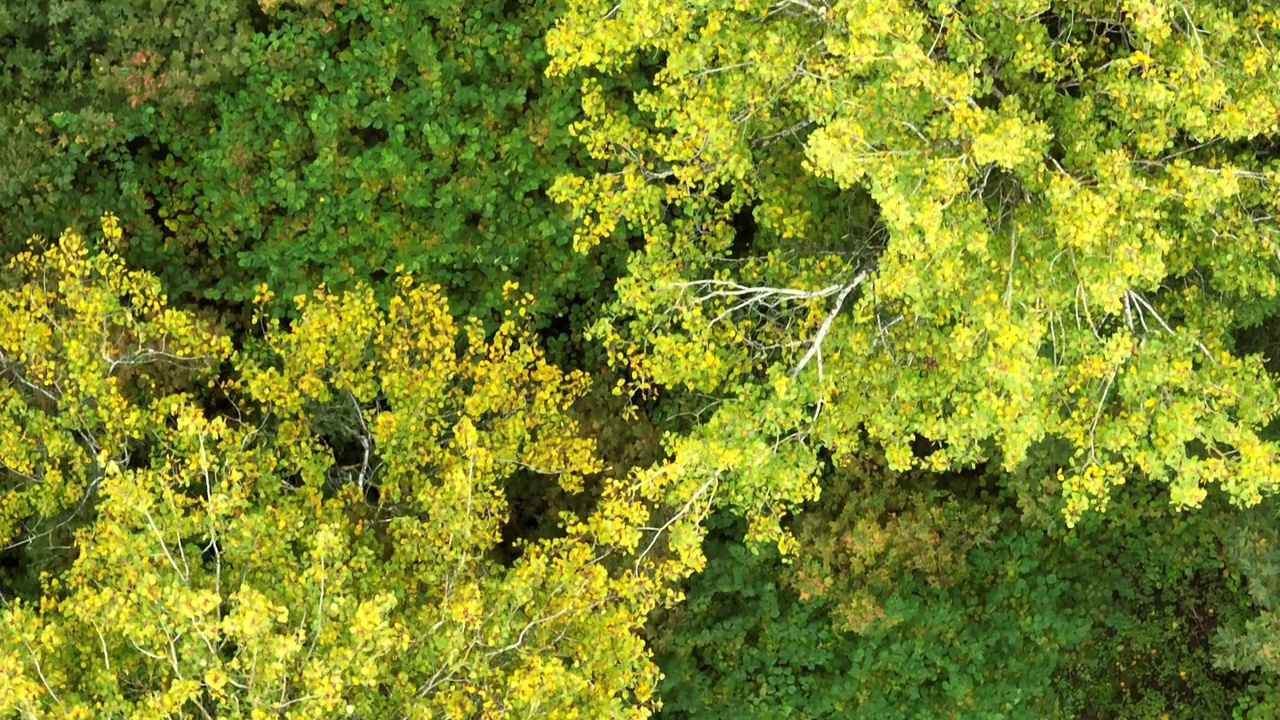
385 135
91 88
1252 642
301 143
919 595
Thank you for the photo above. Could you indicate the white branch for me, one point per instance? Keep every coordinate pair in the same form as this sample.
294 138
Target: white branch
815 346
1137 298
529 626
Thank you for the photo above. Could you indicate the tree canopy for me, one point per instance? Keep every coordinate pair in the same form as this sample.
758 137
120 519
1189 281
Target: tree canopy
1023 232
322 541
622 358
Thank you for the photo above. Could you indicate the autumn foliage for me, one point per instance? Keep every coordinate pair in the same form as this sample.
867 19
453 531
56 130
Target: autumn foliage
611 358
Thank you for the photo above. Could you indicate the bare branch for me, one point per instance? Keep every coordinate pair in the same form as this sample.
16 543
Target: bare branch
815 346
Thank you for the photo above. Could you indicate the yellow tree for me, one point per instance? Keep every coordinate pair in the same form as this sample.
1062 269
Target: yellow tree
303 527
1024 231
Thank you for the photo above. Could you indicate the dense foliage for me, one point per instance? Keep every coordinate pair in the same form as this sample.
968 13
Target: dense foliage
342 142
604 358
90 87
1071 214
907 604
289 551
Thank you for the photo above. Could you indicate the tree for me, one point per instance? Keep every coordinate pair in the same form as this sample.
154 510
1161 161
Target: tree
306 525
382 134
92 89
928 595
1030 232
299 143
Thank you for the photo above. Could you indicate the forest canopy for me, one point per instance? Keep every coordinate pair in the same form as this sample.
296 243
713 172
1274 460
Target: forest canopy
622 358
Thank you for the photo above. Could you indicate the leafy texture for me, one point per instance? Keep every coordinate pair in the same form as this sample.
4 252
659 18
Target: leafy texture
319 142
91 88
956 608
325 543
385 135
1025 232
